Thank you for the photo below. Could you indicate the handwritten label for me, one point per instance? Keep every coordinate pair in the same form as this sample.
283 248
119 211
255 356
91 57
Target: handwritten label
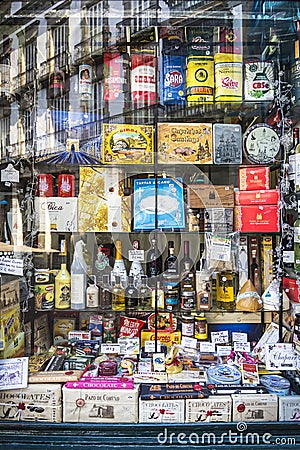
189 342
150 346
242 347
224 350
136 255
239 337
219 337
207 347
110 348
11 266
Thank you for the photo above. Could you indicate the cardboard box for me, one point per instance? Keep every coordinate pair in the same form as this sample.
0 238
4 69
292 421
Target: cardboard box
16 347
173 391
184 143
254 408
39 403
10 325
100 405
210 196
127 144
164 337
254 178
212 409
161 411
257 219
56 213
218 220
101 203
262 197
289 408
9 294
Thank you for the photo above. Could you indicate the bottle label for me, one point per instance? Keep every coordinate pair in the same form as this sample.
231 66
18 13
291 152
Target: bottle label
77 289
62 294
187 328
297 234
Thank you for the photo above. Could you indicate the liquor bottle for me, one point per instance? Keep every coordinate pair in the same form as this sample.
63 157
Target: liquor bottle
131 295
254 270
204 295
119 266
92 294
5 232
136 269
288 242
225 290
159 296
292 161
171 279
297 245
105 293
78 277
154 263
118 295
145 294
63 288
186 257
171 262
187 288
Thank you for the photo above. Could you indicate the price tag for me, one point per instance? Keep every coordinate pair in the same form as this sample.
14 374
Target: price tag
189 342
207 347
110 348
219 337
239 337
220 248
11 266
242 347
150 346
224 350
136 255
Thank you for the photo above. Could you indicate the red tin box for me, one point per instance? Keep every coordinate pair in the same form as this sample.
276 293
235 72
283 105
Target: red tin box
256 219
262 197
254 178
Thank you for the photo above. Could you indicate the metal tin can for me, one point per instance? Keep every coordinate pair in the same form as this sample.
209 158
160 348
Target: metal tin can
66 185
187 326
201 329
45 185
44 290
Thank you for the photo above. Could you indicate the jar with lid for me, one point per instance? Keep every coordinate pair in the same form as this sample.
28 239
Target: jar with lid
187 325
201 327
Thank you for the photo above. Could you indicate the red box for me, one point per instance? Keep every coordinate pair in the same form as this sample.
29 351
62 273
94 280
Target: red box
263 197
254 178
257 219
291 288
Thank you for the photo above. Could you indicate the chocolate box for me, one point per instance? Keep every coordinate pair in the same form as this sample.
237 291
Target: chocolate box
210 196
161 411
289 408
36 403
100 405
254 178
254 408
212 409
184 143
257 219
262 197
173 391
165 337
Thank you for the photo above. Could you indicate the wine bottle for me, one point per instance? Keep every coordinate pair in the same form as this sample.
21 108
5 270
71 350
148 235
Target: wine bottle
159 296
154 263
288 242
171 279
187 288
131 295
292 161
136 269
119 266
145 294
63 288
171 262
186 257
5 232
225 290
118 295
105 294
254 270
78 277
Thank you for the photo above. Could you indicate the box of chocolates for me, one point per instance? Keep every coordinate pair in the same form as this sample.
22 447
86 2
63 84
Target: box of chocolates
254 178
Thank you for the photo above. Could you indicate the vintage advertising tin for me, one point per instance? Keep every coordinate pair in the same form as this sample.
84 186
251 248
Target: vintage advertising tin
200 80
227 143
228 78
127 144
224 374
43 289
213 409
261 144
259 81
184 143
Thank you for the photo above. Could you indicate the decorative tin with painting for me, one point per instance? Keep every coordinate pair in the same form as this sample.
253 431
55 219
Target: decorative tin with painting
261 144
227 143
185 143
259 81
127 144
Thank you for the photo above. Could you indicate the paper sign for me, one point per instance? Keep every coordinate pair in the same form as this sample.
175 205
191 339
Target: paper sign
280 357
150 346
224 350
136 255
189 342
10 174
13 373
207 347
219 337
12 266
239 337
241 347
110 348
220 248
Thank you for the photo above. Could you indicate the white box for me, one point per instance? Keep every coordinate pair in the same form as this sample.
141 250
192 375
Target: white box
56 213
36 403
212 409
161 411
100 406
254 408
289 408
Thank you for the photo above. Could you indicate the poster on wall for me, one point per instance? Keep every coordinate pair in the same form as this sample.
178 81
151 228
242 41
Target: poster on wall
85 79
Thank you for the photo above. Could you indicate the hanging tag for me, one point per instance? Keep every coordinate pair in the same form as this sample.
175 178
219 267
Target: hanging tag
10 174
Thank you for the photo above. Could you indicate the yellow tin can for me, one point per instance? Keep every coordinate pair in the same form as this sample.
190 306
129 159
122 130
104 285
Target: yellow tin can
200 79
228 78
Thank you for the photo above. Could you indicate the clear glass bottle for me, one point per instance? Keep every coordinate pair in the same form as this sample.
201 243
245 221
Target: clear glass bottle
119 266
186 257
78 277
131 295
136 269
118 295
63 288
105 294
159 295
145 294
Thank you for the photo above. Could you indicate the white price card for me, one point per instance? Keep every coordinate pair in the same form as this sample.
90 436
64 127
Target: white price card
239 337
110 348
150 346
220 248
12 266
189 342
207 347
136 255
241 347
219 337
224 350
